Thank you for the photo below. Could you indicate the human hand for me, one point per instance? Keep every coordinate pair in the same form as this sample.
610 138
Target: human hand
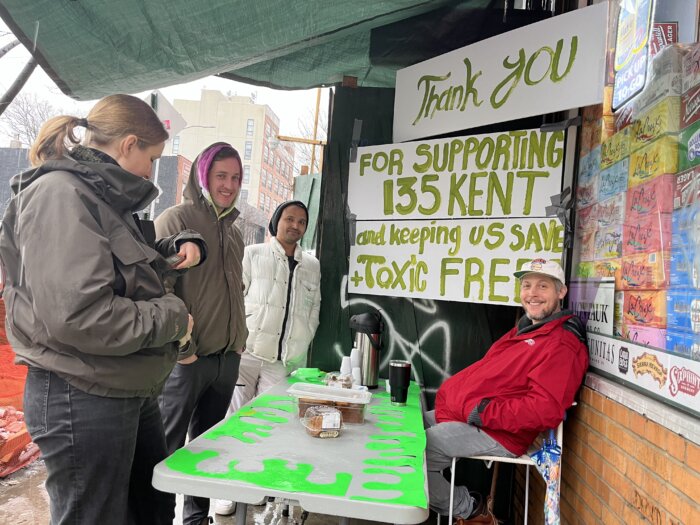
189 251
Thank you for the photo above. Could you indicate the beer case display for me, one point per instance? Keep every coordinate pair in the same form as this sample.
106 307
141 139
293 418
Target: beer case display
647 234
617 313
687 188
645 335
653 197
586 242
690 107
660 119
691 67
584 270
654 159
646 271
645 308
606 269
660 86
678 308
615 148
608 242
613 180
587 192
682 267
586 218
680 342
689 147
610 211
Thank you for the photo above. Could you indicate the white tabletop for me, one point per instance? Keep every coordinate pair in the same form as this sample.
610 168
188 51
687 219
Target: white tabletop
373 471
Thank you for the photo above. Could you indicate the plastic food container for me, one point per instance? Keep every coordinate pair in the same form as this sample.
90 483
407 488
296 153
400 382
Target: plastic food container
351 403
323 421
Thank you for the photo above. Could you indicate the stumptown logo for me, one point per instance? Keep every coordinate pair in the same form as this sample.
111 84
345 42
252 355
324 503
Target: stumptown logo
623 361
683 380
649 364
694 146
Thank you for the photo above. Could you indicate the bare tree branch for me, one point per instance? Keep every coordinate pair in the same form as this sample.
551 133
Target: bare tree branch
25 116
306 130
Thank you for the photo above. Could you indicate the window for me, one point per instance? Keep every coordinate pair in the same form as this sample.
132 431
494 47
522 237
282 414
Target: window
250 127
246 174
278 164
263 178
267 130
266 154
244 195
269 182
248 150
176 144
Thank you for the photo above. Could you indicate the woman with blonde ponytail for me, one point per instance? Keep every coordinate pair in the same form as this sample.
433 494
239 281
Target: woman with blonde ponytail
88 313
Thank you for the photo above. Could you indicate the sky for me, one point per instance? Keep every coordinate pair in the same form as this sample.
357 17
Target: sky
289 106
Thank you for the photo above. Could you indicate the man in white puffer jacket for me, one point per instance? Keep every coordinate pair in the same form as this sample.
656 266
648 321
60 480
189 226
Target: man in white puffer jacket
282 289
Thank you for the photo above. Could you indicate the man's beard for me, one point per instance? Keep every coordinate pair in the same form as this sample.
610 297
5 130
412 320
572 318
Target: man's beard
542 316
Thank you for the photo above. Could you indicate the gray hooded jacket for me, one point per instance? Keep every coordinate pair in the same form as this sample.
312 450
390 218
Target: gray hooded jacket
83 289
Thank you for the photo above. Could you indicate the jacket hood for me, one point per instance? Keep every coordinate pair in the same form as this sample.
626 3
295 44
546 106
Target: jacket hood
122 190
193 191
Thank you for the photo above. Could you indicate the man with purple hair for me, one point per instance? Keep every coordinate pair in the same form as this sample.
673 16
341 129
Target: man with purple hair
199 389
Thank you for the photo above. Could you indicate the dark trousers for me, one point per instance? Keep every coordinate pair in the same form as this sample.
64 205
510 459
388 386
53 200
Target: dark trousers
99 453
194 399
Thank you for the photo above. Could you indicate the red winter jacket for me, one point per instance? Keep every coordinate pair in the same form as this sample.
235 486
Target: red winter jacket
530 375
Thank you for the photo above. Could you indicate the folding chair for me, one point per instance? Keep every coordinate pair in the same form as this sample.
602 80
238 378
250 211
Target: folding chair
525 459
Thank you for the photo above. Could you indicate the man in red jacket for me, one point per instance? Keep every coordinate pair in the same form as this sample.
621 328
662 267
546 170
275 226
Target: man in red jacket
521 387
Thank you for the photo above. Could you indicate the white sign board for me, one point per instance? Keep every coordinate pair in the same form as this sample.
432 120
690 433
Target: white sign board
549 66
594 303
669 376
453 218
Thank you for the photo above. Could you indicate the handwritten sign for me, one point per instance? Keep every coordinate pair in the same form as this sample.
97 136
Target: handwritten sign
549 66
453 218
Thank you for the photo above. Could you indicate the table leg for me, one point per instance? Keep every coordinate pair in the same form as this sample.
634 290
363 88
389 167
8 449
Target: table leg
241 512
344 520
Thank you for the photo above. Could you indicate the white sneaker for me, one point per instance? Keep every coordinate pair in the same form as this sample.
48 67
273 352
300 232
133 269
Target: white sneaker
224 508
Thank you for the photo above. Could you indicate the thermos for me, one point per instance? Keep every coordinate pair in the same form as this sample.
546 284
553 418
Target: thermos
368 331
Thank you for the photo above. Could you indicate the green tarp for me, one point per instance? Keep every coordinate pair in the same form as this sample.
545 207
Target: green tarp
97 47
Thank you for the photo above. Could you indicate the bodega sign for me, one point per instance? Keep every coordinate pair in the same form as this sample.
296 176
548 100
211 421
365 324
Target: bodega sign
549 66
452 219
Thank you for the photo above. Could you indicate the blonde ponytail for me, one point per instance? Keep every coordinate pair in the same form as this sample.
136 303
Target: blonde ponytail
54 138
111 118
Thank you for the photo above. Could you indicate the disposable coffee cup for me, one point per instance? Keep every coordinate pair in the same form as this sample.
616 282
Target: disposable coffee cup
399 379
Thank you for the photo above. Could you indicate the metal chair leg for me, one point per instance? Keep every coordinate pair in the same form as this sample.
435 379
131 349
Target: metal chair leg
452 489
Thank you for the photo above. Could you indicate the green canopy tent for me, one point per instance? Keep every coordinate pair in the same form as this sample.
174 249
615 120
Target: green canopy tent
91 49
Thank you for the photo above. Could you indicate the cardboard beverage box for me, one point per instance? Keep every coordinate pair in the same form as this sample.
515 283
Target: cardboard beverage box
659 87
679 342
690 107
691 67
584 270
689 147
613 180
682 263
657 158
645 335
608 242
660 119
610 211
606 269
647 234
687 187
586 219
645 308
645 271
615 148
586 245
678 309
651 197
587 192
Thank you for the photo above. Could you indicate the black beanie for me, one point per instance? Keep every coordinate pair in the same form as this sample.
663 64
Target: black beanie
278 213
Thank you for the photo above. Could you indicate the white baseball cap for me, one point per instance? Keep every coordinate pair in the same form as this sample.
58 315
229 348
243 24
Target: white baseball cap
543 266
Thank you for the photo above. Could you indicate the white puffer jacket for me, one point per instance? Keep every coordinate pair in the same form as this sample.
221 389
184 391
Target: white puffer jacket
265 280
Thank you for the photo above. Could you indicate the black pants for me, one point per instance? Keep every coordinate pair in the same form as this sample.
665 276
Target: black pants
194 399
99 453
